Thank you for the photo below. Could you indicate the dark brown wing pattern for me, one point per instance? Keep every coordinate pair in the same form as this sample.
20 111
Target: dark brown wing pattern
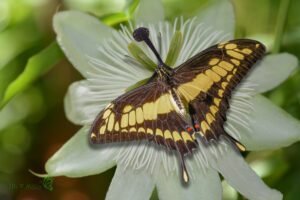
146 113
206 82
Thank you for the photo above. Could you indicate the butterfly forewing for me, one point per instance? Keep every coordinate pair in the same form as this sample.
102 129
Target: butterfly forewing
146 113
206 81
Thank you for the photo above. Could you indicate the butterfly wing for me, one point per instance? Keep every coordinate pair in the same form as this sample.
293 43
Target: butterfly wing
145 113
206 81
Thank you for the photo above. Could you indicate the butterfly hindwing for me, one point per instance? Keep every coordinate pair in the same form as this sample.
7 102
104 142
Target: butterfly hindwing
206 81
146 113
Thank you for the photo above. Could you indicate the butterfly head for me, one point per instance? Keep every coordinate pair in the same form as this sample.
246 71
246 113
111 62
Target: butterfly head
141 34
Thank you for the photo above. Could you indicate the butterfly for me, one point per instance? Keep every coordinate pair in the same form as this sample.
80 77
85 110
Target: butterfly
177 105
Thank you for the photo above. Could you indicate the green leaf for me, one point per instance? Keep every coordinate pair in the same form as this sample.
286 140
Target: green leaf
16 40
115 18
8 73
174 49
36 66
140 56
120 17
220 16
149 12
131 6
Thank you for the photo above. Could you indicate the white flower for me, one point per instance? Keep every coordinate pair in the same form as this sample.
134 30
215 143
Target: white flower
101 55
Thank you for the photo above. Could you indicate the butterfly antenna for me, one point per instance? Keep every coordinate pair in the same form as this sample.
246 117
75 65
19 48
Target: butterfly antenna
142 34
184 173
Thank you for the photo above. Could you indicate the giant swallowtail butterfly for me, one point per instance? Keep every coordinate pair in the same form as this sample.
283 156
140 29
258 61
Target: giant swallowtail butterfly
177 104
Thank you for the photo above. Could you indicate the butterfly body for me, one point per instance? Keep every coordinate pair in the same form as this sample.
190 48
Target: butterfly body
177 104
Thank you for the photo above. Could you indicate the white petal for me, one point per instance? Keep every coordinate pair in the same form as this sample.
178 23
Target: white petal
239 175
149 12
78 158
271 71
82 104
79 35
220 16
203 186
130 185
271 127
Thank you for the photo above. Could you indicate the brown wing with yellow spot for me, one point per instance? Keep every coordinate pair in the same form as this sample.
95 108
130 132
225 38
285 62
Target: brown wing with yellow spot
146 113
206 81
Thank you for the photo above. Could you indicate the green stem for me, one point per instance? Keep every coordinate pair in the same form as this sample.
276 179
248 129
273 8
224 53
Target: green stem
281 19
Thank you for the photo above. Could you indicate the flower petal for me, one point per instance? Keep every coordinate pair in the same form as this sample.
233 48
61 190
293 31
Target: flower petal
203 186
78 158
220 16
81 106
270 126
149 12
130 184
271 71
79 35
239 175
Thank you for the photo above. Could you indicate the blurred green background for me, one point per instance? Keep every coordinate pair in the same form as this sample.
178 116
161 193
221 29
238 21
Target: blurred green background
32 122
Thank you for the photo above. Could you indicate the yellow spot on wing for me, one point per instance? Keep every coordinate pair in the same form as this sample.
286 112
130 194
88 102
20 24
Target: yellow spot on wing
213 109
186 137
209 118
132 129
219 70
226 65
247 51
204 126
229 77
224 85
235 54
217 101
106 113
139 115
164 104
213 61
132 118
221 45
240 146
158 132
93 136
235 61
111 122
117 126
214 76
141 130
149 131
127 109
147 110
203 82
185 176
102 129
220 93
176 136
167 134
124 120
230 46
191 89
